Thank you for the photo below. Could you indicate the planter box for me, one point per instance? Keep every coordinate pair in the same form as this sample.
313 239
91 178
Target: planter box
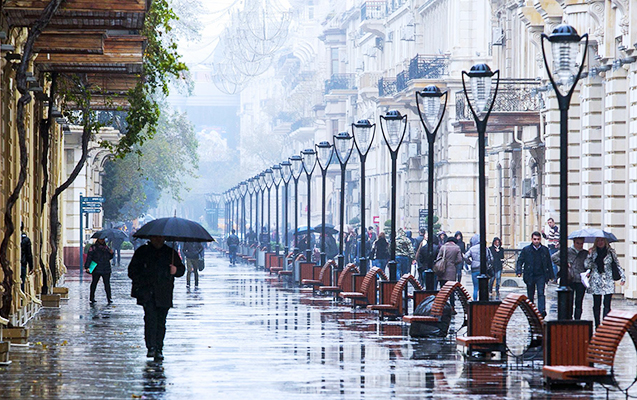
50 300
62 291
16 335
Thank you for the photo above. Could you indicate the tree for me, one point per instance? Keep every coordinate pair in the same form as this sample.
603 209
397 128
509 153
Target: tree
135 182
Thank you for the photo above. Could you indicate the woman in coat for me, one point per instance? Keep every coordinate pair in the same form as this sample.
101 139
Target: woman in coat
451 255
380 251
463 248
101 254
599 263
498 258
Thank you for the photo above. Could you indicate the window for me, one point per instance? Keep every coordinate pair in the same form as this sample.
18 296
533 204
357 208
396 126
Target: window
334 61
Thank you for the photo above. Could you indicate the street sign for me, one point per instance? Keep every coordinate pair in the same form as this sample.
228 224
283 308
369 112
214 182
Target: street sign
422 218
92 210
98 199
92 204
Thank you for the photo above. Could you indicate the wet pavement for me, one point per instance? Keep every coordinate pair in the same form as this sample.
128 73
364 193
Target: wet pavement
242 334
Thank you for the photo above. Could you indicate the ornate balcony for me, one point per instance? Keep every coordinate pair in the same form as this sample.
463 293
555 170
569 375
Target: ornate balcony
374 9
340 82
428 67
386 87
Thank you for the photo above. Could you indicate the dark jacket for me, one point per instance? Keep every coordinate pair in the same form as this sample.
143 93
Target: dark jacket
102 255
422 257
534 265
194 250
149 269
380 250
331 248
232 240
498 257
576 263
26 254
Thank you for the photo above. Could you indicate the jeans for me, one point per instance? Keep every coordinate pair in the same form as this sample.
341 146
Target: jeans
233 254
404 267
459 268
154 325
380 263
497 278
597 304
193 267
556 268
540 284
474 279
579 290
106 278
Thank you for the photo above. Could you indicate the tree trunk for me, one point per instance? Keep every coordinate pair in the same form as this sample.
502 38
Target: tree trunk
25 98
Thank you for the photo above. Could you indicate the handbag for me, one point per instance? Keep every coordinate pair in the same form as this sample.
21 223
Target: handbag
615 268
439 264
201 265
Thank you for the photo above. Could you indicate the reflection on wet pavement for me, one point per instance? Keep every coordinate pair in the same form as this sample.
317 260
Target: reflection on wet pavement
241 334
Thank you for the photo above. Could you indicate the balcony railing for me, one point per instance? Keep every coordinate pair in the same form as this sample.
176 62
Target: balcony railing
340 82
386 86
401 81
428 67
374 9
301 123
514 95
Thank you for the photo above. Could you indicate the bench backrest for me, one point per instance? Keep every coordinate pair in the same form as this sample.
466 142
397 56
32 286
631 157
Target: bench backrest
370 278
397 293
603 344
444 295
505 311
345 278
325 275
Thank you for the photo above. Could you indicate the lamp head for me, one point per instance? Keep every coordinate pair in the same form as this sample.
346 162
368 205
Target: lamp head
395 127
343 142
564 48
481 78
277 174
324 154
262 182
297 166
269 178
243 188
309 160
286 170
251 185
363 135
431 98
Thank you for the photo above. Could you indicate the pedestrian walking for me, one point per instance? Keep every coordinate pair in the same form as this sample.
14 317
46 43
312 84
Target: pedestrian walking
451 256
497 252
463 249
153 270
422 257
535 264
264 239
26 256
194 253
551 233
472 257
331 247
380 251
371 234
100 254
603 264
576 266
116 243
233 245
405 253
419 238
442 237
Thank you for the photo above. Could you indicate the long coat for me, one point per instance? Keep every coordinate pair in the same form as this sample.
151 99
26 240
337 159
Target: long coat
102 255
452 256
601 284
149 270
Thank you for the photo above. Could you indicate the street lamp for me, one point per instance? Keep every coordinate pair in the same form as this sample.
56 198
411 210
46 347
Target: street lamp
395 126
261 180
309 163
267 179
363 132
224 196
324 151
297 170
250 192
431 98
343 143
276 180
243 190
286 172
564 46
481 78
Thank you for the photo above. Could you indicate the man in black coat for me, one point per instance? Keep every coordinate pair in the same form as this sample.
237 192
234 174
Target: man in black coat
153 269
100 254
26 255
535 263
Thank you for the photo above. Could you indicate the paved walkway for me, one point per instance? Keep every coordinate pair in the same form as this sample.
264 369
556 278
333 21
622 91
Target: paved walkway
241 335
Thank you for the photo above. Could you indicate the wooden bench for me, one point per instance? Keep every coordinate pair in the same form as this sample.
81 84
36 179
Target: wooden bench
367 294
345 282
324 277
396 305
290 272
496 341
601 352
442 298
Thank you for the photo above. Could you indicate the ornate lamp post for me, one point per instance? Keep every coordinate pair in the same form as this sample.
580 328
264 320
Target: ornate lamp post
261 180
297 170
286 172
363 132
243 190
251 190
226 218
429 103
481 77
309 163
276 180
343 143
267 179
564 77
324 152
395 126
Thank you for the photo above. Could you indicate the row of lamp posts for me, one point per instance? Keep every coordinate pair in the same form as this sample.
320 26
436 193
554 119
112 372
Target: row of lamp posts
431 103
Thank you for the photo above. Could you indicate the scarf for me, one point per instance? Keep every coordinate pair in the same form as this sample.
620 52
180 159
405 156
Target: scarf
601 254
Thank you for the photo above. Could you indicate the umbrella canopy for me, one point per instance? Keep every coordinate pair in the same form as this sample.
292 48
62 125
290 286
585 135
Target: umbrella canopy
175 229
590 234
329 229
110 234
303 229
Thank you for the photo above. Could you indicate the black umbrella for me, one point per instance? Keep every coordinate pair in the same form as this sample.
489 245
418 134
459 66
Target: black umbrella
110 234
329 229
175 229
